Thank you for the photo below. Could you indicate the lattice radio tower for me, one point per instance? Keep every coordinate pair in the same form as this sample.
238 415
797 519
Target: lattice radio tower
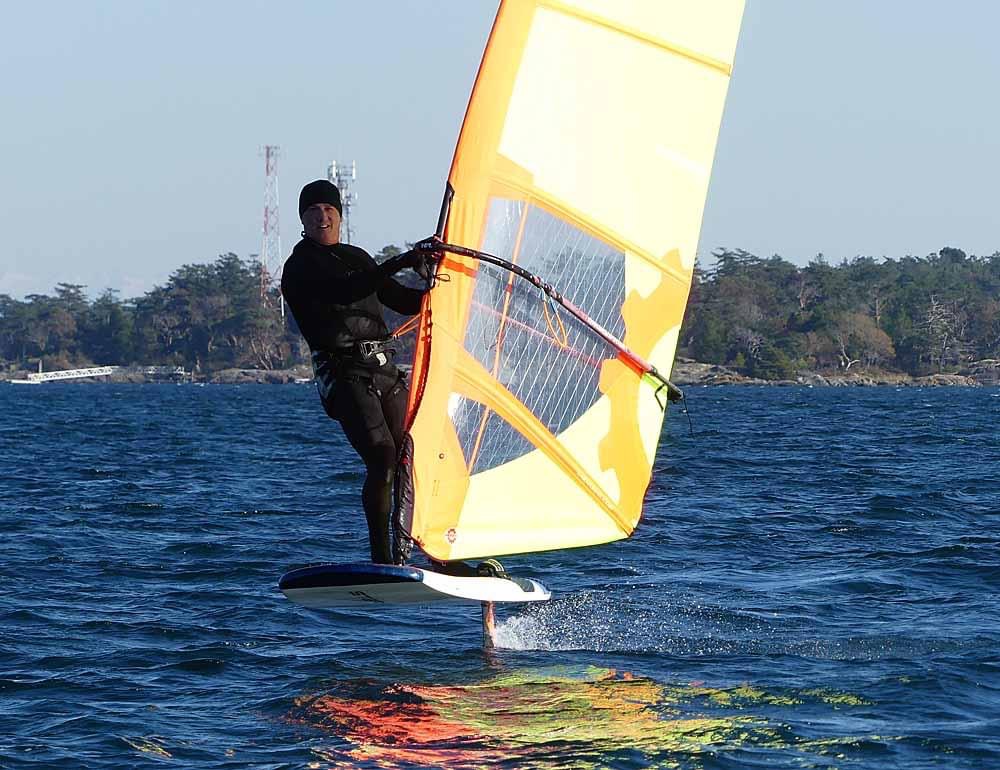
270 252
343 175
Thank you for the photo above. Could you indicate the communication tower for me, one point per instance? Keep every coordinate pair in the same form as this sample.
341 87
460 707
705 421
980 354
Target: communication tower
343 175
270 252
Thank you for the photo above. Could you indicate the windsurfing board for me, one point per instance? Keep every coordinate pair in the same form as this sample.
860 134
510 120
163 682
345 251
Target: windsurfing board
352 585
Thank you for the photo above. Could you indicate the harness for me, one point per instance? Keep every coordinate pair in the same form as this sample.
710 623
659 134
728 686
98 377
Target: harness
333 366
367 351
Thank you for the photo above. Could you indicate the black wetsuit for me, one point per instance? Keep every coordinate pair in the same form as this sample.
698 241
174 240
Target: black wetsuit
336 294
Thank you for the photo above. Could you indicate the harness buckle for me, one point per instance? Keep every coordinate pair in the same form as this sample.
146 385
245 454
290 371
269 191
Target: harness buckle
369 348
374 350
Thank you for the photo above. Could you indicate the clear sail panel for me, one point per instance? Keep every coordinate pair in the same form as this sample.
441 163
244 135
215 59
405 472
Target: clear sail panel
547 359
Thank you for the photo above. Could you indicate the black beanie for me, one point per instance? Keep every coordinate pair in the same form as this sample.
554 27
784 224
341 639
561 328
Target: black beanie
320 191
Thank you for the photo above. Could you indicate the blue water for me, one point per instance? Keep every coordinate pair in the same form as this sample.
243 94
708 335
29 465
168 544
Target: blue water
815 584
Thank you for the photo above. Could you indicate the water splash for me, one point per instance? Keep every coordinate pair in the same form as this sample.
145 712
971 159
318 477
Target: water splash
623 622
630 621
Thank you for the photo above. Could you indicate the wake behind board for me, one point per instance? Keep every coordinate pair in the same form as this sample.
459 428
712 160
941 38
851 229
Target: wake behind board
352 585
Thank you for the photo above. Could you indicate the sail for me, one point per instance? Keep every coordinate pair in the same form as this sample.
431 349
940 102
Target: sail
584 159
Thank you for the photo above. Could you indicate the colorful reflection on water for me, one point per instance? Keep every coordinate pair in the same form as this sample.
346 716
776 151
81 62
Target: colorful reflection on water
554 718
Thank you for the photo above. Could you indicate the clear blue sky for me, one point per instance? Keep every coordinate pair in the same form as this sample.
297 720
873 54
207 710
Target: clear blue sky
131 129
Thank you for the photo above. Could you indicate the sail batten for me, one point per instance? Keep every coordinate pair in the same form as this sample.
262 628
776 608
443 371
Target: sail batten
565 211
507 406
583 165
637 34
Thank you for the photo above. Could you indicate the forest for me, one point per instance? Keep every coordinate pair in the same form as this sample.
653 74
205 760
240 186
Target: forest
764 317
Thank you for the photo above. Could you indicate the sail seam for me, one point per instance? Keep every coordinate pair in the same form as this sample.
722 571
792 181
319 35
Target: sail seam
687 53
516 414
501 329
533 195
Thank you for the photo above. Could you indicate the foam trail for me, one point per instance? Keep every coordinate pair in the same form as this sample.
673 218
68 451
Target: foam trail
633 621
602 622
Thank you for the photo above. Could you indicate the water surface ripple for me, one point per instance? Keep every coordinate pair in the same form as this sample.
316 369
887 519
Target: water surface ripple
815 584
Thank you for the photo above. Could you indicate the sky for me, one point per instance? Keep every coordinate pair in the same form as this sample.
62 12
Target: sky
131 130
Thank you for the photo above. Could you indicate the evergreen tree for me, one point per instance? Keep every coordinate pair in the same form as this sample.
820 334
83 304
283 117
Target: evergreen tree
766 317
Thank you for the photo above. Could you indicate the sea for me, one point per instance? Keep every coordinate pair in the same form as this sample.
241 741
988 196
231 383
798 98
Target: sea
815 584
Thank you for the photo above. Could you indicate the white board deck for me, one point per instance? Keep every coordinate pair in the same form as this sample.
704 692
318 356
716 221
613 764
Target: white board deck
352 585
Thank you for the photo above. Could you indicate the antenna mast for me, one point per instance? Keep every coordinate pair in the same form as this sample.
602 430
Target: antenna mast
343 175
270 252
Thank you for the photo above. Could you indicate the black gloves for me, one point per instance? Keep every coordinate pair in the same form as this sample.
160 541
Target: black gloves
430 256
420 261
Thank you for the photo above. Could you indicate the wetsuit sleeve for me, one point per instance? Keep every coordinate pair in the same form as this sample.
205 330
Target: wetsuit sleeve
402 299
290 282
354 286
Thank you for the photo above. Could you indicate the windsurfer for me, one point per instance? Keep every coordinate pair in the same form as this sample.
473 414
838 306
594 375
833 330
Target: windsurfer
336 293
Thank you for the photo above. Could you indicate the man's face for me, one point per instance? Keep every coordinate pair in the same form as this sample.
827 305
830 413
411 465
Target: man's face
321 222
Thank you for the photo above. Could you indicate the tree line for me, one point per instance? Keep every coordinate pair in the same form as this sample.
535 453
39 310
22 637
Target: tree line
765 317
918 315
206 317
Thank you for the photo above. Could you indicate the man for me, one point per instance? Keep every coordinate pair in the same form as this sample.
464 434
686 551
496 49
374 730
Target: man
336 292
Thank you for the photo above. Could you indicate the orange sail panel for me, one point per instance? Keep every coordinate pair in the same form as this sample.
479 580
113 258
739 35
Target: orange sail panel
584 158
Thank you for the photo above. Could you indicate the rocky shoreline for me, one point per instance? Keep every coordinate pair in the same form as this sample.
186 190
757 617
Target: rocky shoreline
978 374
686 372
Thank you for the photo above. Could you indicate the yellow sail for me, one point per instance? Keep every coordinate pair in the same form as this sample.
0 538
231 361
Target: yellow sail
584 159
